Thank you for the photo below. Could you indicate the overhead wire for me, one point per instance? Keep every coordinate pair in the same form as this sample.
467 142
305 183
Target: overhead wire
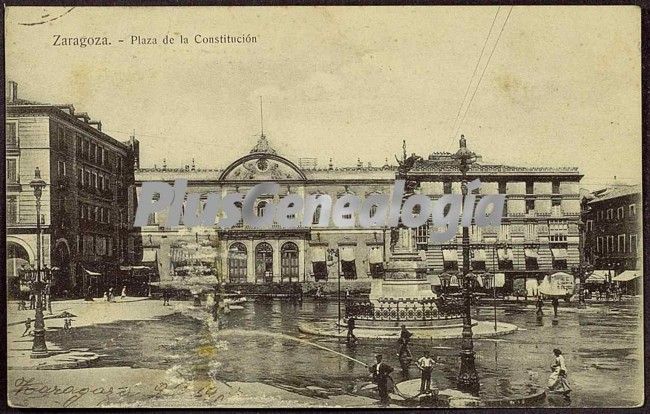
471 80
483 72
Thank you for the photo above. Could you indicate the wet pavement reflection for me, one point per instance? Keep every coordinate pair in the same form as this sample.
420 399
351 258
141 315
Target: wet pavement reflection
261 342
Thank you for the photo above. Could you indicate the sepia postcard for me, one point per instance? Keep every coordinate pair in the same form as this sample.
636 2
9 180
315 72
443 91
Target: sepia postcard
324 207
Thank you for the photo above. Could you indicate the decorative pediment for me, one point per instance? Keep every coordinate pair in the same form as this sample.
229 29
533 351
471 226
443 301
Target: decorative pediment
261 166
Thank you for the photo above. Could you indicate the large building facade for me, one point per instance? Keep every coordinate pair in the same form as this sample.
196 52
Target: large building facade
88 203
538 236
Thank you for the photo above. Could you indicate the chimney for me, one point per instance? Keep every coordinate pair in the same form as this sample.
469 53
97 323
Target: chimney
97 124
11 94
331 166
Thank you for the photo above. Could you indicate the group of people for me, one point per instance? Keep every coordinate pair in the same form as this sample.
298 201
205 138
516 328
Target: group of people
109 295
611 291
381 371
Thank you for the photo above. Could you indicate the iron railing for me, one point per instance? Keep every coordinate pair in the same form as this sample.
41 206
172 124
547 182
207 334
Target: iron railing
406 309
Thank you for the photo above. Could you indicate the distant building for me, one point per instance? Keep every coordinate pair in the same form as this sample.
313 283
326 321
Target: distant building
613 237
539 234
88 205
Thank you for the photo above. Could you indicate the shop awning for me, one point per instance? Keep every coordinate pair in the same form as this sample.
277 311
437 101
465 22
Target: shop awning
626 276
531 253
505 255
347 254
558 254
449 255
91 273
479 255
318 254
435 281
149 256
375 255
127 268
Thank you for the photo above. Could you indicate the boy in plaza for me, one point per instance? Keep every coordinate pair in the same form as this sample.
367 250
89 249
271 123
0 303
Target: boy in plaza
425 364
28 326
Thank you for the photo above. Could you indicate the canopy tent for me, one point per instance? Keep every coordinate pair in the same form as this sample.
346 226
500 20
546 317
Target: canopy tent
626 276
375 256
557 284
598 276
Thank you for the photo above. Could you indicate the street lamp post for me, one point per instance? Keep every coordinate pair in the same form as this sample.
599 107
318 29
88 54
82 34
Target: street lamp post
39 348
467 376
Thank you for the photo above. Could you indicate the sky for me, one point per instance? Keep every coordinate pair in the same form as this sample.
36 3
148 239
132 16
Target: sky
562 87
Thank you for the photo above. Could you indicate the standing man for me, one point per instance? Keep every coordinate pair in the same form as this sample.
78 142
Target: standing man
404 339
32 301
425 364
540 312
556 303
347 293
123 292
380 372
351 323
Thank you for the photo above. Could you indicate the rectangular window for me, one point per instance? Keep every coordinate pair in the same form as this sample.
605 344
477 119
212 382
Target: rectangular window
599 244
349 269
556 202
12 170
633 243
82 211
620 213
100 155
12 134
61 168
610 214
621 243
502 187
60 135
446 187
12 209
93 180
101 182
632 210
92 151
530 206
610 242
555 187
79 146
590 225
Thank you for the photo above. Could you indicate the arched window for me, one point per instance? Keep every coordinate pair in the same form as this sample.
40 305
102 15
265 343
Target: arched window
237 263
261 206
264 263
289 262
